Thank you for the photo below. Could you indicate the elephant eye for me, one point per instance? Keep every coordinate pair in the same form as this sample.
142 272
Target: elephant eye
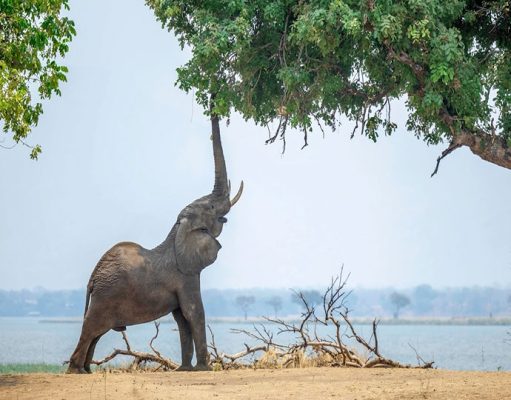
205 230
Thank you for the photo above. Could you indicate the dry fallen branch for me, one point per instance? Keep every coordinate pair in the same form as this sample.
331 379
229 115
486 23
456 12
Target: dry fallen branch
221 360
308 347
420 360
140 357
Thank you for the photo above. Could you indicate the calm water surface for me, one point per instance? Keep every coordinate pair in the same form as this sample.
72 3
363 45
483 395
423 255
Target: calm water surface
28 340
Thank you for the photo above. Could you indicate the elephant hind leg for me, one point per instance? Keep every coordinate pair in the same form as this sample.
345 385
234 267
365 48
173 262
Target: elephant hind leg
76 365
90 353
92 329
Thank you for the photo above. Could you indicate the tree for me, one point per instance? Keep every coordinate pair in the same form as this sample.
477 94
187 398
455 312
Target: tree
309 62
245 302
310 297
33 35
423 297
276 303
399 301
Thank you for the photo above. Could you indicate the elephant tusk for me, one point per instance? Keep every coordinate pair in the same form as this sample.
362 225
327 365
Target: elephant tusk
238 195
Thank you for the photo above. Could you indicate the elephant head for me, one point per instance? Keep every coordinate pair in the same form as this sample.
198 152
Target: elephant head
201 222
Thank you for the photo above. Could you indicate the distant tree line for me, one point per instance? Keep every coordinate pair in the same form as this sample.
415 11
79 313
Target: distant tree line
421 301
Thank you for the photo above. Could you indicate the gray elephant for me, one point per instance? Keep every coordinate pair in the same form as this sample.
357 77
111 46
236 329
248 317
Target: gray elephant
132 285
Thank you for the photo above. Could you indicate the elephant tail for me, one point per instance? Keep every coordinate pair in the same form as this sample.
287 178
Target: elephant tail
87 298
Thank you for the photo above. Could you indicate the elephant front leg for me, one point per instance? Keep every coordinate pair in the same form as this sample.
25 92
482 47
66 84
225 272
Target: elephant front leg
201 347
185 336
193 311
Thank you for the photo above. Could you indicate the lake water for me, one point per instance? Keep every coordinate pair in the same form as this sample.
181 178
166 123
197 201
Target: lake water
29 340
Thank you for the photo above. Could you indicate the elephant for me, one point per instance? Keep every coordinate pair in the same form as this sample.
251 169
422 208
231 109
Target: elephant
131 285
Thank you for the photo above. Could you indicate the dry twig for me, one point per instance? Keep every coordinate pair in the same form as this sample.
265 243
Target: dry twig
140 357
309 348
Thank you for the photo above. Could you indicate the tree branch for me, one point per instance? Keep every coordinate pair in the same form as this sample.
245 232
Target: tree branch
140 357
453 146
490 147
308 347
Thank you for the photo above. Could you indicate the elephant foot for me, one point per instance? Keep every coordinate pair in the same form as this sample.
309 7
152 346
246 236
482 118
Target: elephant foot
185 368
202 367
72 369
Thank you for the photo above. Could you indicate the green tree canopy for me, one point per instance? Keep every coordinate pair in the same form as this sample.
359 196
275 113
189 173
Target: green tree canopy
310 62
33 35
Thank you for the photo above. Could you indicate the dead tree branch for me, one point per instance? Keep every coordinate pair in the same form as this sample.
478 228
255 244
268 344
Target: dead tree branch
308 347
229 361
420 360
140 358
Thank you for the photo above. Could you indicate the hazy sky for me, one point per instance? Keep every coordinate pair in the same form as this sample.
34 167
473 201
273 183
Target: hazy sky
124 151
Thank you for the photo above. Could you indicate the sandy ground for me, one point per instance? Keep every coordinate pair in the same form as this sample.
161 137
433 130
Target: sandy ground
306 383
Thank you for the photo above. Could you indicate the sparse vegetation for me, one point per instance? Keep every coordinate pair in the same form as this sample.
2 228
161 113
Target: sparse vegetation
24 368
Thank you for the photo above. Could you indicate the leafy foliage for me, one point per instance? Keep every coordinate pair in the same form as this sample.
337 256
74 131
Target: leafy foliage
311 62
33 35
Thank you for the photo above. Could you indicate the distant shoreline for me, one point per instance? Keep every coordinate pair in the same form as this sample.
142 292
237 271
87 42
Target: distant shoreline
474 321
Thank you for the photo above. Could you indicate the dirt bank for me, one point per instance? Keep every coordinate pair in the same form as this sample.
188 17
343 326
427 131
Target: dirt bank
306 383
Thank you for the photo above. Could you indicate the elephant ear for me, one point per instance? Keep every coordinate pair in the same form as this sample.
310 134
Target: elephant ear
195 249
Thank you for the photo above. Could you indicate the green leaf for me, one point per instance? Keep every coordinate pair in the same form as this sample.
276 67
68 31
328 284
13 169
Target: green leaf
33 35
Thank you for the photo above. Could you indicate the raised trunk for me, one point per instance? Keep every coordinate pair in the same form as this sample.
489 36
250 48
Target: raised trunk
491 148
221 186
